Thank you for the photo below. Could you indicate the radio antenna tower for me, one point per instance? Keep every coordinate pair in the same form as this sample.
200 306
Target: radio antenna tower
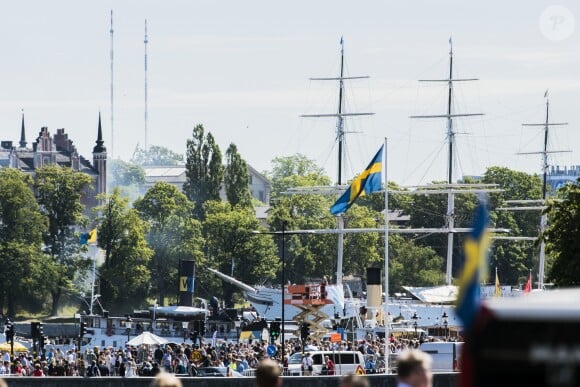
146 117
111 96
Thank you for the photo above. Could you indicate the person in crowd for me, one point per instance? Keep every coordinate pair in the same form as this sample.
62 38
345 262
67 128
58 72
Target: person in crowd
329 364
414 369
268 374
93 369
37 370
307 364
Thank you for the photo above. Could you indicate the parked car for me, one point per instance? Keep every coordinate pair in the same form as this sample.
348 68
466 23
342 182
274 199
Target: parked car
345 362
219 372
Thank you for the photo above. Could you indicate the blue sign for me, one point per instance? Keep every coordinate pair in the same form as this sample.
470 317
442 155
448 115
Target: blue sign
271 350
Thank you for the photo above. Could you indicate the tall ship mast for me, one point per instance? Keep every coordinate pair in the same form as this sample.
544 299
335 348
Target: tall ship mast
544 219
340 138
449 116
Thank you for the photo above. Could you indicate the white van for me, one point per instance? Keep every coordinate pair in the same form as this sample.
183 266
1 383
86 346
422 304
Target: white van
446 355
345 362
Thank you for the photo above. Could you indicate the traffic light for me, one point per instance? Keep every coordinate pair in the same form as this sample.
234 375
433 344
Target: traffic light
304 331
42 341
202 328
36 330
193 335
274 329
83 330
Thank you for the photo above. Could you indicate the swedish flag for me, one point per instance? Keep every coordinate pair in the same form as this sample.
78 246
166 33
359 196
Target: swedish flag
476 247
366 182
92 236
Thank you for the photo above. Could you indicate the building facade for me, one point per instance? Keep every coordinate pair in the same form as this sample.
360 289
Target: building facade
58 149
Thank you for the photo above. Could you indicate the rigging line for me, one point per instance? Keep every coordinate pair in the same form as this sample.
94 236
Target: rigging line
395 91
435 154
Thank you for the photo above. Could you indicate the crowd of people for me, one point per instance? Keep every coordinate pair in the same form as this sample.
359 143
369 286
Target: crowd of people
185 358
414 370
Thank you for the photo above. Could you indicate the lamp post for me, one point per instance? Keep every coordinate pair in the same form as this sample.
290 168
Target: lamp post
445 323
283 233
184 325
415 318
128 325
237 324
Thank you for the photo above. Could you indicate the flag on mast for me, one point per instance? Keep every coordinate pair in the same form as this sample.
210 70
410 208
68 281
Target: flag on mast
366 182
497 286
528 287
476 248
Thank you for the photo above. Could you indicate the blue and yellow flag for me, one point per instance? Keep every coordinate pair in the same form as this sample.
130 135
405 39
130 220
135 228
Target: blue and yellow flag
92 236
367 182
476 247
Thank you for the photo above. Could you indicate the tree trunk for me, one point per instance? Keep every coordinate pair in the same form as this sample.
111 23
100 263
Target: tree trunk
55 301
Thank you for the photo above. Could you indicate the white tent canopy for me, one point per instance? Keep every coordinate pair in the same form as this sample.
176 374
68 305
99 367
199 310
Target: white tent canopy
146 338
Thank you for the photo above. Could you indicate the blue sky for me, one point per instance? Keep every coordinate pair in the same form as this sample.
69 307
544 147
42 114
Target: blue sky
242 69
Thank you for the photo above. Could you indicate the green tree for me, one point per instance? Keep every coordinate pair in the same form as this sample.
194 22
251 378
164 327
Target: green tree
233 247
414 265
21 229
59 191
513 259
173 235
156 155
563 236
295 171
204 170
124 275
237 179
126 174
362 250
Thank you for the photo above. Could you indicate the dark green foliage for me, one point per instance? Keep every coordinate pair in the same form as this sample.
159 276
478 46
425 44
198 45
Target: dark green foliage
563 237
203 169
237 179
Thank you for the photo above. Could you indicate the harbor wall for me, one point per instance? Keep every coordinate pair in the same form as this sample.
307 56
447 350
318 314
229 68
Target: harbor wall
439 380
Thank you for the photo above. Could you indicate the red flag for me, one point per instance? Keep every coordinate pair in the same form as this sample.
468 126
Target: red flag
528 286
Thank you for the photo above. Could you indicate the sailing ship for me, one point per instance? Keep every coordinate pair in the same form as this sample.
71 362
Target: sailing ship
268 300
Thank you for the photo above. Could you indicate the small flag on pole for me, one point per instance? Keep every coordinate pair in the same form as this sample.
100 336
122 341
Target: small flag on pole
366 182
528 287
497 286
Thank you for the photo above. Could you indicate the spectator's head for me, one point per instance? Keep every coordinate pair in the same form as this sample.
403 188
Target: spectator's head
354 381
268 374
414 368
164 379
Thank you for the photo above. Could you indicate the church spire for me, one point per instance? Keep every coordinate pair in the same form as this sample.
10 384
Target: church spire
99 148
22 133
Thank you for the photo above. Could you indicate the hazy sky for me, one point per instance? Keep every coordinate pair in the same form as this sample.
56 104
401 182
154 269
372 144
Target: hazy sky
242 69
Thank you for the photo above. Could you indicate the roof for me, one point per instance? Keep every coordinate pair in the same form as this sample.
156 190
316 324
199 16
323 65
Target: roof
434 294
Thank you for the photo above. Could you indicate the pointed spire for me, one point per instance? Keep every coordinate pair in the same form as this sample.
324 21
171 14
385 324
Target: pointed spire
99 148
22 133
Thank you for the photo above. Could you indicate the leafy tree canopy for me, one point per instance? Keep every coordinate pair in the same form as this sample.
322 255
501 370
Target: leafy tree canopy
156 155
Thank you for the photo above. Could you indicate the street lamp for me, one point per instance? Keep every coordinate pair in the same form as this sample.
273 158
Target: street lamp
128 325
415 318
445 323
237 324
184 325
